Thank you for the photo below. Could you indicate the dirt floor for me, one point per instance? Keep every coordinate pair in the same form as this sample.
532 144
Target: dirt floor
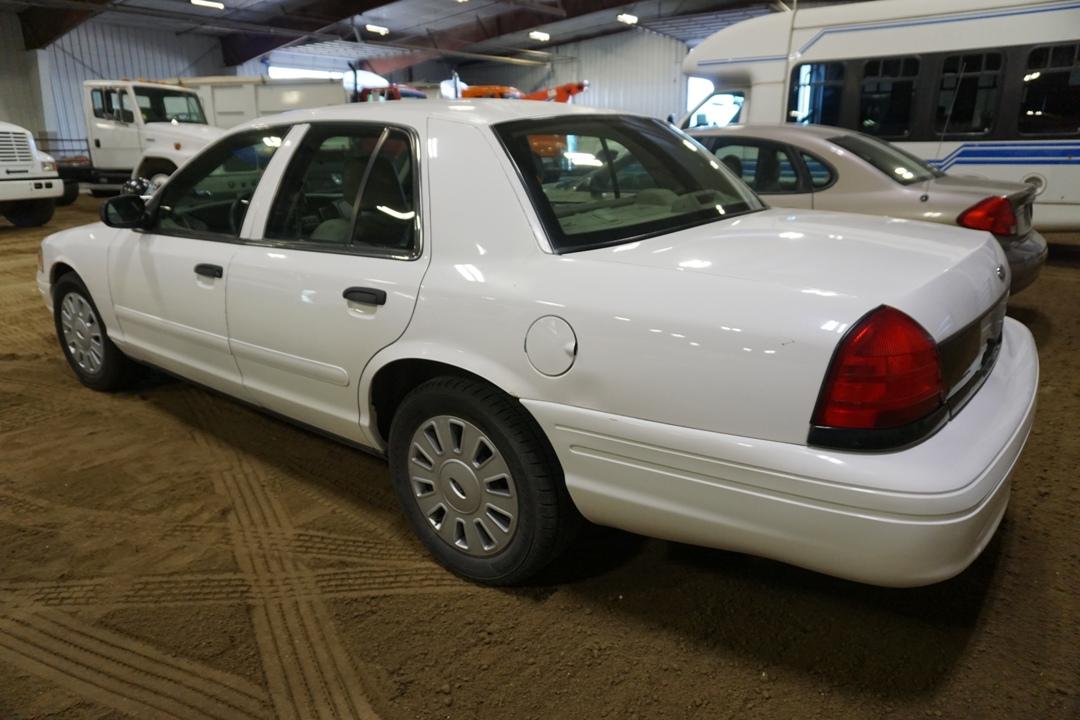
168 552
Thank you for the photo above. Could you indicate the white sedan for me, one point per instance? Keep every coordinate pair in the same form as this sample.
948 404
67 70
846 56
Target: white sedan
663 354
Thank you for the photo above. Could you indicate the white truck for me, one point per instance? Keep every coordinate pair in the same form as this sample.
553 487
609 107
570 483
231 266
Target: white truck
29 183
149 129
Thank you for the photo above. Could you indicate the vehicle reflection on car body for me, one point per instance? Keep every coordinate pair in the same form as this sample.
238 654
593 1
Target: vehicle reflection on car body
636 354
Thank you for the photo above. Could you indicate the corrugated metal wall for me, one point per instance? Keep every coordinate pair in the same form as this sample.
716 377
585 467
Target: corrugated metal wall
97 51
636 71
20 102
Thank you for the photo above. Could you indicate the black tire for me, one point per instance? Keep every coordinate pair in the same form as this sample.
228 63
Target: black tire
71 193
116 371
31 213
547 520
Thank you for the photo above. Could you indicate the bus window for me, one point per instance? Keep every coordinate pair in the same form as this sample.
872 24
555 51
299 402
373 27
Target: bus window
1051 103
967 95
886 96
718 110
816 90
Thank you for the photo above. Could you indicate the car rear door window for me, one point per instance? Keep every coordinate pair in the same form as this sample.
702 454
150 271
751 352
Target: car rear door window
352 188
764 166
821 176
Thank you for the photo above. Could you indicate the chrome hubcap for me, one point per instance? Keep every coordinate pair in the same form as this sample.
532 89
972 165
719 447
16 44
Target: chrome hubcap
82 333
463 485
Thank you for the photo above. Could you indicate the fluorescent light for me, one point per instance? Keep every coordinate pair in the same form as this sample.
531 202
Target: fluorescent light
209 4
627 18
377 29
463 1
539 35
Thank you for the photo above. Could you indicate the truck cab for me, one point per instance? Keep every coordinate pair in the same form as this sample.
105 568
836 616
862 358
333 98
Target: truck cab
29 184
140 129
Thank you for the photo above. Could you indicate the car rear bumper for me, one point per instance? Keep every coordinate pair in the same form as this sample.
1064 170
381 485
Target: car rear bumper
1026 256
31 188
906 518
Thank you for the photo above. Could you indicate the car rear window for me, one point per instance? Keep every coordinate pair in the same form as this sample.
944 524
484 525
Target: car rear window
604 180
902 167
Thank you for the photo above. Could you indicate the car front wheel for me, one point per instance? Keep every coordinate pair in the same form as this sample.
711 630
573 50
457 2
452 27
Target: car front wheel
478 481
97 362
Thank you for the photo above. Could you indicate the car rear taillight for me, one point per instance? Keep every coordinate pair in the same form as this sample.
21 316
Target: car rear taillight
886 373
994 214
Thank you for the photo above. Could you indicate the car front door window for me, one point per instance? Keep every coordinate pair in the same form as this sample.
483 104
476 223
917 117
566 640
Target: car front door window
209 198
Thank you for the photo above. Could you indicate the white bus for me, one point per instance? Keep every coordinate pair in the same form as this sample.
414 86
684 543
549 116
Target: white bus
977 87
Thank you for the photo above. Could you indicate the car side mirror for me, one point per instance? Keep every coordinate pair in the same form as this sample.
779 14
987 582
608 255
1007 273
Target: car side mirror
124 211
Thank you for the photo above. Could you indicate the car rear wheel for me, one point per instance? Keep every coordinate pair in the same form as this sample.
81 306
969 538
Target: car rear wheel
478 481
96 361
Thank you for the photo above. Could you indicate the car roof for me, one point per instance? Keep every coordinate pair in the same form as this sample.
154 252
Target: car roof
775 131
416 112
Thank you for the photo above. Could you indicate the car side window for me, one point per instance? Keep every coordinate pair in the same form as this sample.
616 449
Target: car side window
349 187
209 197
821 176
765 167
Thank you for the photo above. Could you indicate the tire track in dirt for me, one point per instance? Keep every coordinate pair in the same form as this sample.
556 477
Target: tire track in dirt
309 671
225 589
29 511
122 673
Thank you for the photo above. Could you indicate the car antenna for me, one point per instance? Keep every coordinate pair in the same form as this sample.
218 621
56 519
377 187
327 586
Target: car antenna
945 127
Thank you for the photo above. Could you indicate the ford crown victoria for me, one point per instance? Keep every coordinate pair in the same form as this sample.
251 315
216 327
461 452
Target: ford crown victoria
662 354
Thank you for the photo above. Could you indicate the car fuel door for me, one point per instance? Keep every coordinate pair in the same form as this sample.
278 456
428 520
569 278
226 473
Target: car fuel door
333 274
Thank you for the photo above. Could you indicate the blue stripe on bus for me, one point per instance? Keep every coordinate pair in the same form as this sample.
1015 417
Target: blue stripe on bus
746 60
936 21
1033 153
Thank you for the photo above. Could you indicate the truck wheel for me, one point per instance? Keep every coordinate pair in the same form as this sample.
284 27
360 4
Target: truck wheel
71 193
30 213
479 482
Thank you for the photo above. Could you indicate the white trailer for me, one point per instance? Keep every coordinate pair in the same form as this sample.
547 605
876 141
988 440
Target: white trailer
229 101
985 87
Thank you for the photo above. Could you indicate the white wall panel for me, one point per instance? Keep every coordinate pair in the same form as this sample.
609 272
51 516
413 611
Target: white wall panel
637 71
98 51
20 100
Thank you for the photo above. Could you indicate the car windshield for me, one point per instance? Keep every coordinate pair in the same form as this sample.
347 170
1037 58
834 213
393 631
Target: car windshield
604 180
161 105
899 165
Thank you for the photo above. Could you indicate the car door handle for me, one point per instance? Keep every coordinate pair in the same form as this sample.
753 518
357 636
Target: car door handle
210 271
367 296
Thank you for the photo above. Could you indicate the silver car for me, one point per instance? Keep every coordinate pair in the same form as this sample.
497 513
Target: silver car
828 168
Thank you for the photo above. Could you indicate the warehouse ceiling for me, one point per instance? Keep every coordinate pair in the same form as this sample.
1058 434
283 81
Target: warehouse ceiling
416 30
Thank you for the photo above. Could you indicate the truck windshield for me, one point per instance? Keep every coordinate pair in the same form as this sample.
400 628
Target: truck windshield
161 105
902 167
604 180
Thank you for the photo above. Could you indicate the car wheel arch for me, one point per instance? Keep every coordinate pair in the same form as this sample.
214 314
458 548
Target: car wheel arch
391 381
58 270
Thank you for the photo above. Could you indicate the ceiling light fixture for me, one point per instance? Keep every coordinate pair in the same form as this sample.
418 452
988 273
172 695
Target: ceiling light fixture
463 1
627 18
377 29
539 35
209 4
